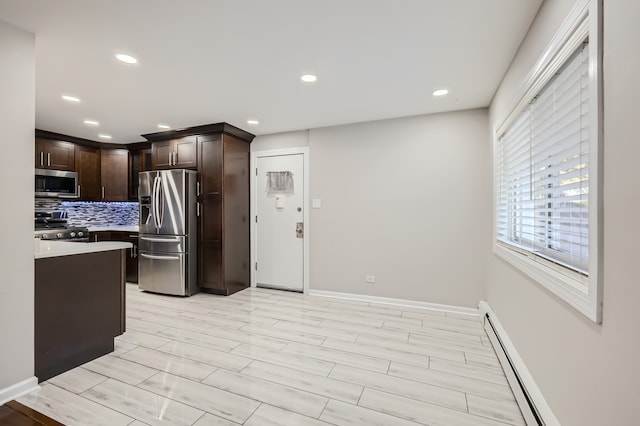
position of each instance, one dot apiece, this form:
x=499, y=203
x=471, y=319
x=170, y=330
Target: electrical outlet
x=370, y=278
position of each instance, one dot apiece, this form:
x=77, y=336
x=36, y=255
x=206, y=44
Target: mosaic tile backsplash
x=92, y=214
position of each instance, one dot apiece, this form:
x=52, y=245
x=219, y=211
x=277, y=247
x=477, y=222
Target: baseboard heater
x=527, y=406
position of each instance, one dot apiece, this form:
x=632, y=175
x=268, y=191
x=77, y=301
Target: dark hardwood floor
x=15, y=414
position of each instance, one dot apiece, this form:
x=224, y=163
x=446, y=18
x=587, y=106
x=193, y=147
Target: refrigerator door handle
x=160, y=202
x=161, y=240
x=153, y=256
x=154, y=202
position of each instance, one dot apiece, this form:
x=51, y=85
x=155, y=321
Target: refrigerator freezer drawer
x=163, y=243
x=163, y=273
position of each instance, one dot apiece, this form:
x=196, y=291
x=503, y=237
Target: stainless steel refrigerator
x=168, y=232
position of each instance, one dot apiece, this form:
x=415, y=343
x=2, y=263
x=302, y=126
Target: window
x=546, y=168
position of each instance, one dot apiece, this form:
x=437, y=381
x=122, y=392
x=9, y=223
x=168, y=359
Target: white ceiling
x=207, y=61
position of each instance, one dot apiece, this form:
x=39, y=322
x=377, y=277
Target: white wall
x=402, y=200
x=17, y=123
x=588, y=373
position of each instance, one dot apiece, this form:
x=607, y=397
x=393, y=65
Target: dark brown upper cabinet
x=54, y=154
x=114, y=174
x=88, y=166
x=139, y=161
x=174, y=154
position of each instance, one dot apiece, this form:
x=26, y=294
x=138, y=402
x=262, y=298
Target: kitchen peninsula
x=79, y=302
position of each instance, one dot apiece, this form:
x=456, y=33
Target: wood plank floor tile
x=377, y=352
x=211, y=420
x=292, y=399
x=71, y=409
x=267, y=415
x=201, y=396
x=147, y=407
x=339, y=356
x=420, y=412
x=286, y=359
x=288, y=335
x=335, y=389
x=77, y=380
x=396, y=385
x=467, y=370
x=205, y=355
x=452, y=381
x=317, y=331
x=343, y=414
x=421, y=349
x=504, y=411
x=173, y=364
x=120, y=369
x=365, y=329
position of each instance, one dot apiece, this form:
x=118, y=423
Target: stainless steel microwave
x=56, y=183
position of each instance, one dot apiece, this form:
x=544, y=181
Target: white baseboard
x=526, y=379
x=17, y=390
x=397, y=302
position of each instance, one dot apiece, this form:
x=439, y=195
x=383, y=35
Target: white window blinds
x=542, y=164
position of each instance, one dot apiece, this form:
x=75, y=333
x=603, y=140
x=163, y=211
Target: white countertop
x=124, y=228
x=43, y=249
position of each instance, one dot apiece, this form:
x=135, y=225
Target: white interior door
x=280, y=225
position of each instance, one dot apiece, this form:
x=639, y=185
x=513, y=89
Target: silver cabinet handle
x=48, y=159
x=170, y=157
x=197, y=189
x=197, y=209
x=103, y=192
x=133, y=236
x=135, y=251
x=151, y=256
x=41, y=158
x=79, y=191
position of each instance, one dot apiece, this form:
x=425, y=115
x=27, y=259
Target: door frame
x=304, y=150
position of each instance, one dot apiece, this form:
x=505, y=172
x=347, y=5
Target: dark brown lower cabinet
x=79, y=309
x=131, y=258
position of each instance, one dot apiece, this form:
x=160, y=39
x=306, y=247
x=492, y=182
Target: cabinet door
x=89, y=177
x=114, y=172
x=210, y=272
x=161, y=155
x=185, y=153
x=57, y=155
x=139, y=161
x=132, y=258
x=210, y=165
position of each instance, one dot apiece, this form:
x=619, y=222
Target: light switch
x=316, y=203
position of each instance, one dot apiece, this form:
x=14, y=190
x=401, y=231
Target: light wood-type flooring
x=265, y=357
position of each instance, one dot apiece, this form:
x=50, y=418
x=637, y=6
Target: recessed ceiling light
x=163, y=126
x=70, y=98
x=308, y=78
x=253, y=122
x=127, y=59
x=104, y=136
x=440, y=92
x=91, y=122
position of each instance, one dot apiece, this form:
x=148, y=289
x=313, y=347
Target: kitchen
x=373, y=219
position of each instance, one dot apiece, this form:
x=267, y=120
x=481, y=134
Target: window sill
x=571, y=290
